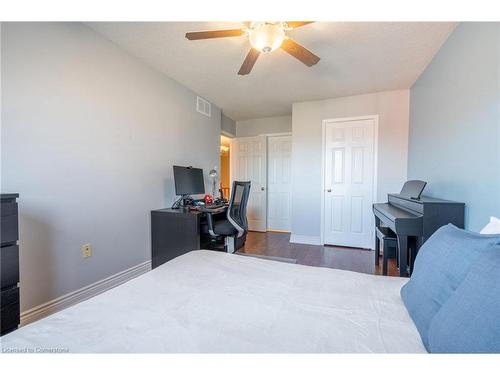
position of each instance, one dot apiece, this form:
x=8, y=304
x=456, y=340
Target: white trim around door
x=374, y=118
x=227, y=134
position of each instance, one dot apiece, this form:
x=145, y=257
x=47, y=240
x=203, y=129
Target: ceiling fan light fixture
x=266, y=37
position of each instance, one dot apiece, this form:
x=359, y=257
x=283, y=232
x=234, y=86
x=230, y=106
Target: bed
x=213, y=302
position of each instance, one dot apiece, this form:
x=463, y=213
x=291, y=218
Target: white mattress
x=207, y=301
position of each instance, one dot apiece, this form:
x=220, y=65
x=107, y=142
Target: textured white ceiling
x=356, y=58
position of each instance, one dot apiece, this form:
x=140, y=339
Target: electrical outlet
x=86, y=250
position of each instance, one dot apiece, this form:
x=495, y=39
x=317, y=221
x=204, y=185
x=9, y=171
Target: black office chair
x=235, y=227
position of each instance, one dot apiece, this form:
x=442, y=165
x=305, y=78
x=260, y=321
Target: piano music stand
x=413, y=189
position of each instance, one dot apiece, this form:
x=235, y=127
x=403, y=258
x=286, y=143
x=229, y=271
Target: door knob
x=328, y=190
x=262, y=188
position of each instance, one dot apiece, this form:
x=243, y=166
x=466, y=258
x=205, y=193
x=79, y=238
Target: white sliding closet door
x=279, y=154
x=249, y=163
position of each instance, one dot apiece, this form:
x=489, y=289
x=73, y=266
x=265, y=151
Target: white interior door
x=279, y=153
x=249, y=163
x=349, y=182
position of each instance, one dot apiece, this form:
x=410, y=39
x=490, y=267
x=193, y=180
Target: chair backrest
x=237, y=210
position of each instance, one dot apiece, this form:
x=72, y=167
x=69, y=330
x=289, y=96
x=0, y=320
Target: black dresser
x=9, y=264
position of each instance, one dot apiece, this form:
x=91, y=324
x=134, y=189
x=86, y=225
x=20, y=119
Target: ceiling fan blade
x=295, y=24
x=299, y=52
x=197, y=35
x=249, y=62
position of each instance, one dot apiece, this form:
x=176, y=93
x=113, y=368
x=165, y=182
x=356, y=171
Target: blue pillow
x=441, y=265
x=469, y=322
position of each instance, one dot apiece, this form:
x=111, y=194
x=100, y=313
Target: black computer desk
x=178, y=231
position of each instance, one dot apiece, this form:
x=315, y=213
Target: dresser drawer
x=8, y=208
x=9, y=317
x=9, y=266
x=9, y=227
x=9, y=296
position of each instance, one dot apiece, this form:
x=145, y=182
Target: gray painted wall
x=393, y=110
x=264, y=125
x=89, y=137
x=454, y=139
x=228, y=125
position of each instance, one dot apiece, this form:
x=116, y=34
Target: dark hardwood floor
x=278, y=245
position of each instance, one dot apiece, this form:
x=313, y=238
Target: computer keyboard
x=213, y=206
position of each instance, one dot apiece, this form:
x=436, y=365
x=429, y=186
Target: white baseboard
x=67, y=300
x=308, y=240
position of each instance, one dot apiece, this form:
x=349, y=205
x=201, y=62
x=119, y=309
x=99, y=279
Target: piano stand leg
x=403, y=255
x=416, y=243
x=377, y=249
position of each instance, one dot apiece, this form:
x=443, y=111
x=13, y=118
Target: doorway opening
x=225, y=150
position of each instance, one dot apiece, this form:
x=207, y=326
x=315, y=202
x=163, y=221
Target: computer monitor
x=188, y=180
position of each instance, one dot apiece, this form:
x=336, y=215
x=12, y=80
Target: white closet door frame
x=231, y=172
x=323, y=165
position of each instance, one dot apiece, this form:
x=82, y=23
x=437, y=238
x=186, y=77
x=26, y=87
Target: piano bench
x=390, y=244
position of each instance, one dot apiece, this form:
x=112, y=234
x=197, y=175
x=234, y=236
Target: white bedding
x=207, y=301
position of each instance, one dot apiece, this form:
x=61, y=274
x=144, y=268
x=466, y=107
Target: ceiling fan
x=264, y=37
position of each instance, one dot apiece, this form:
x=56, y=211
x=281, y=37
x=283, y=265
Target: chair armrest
x=210, y=223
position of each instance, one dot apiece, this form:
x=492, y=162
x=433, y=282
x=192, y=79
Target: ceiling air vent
x=204, y=107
